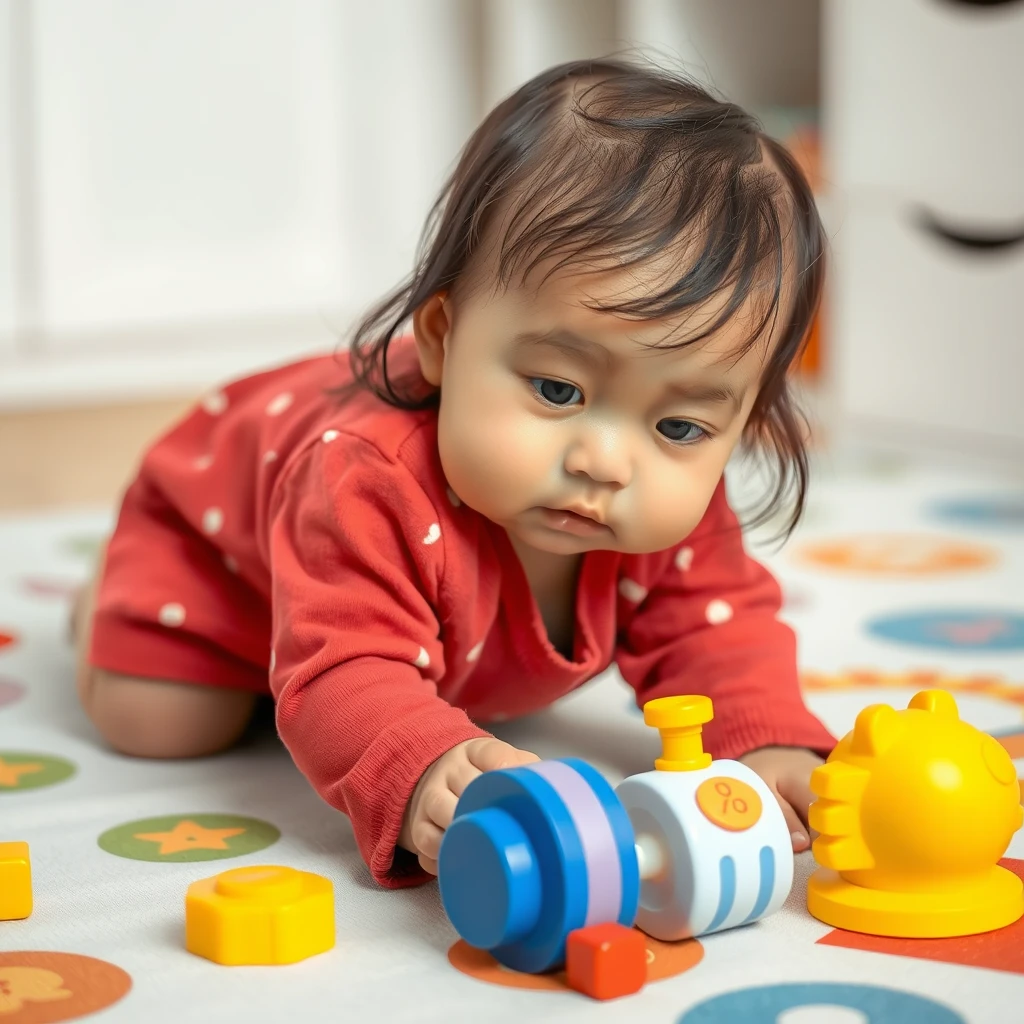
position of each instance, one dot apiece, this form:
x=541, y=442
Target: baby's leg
x=150, y=717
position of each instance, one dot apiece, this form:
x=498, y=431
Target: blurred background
x=195, y=189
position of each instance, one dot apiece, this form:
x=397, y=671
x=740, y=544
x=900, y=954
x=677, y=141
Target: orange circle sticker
x=43, y=988
x=898, y=555
x=664, y=960
x=729, y=803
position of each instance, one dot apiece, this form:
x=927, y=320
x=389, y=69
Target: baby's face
x=564, y=426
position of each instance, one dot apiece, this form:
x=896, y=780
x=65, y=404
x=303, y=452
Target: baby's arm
x=357, y=655
x=709, y=624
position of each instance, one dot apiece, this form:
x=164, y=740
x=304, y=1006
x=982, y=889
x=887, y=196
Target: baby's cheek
x=488, y=460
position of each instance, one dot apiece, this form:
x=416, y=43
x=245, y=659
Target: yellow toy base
x=995, y=903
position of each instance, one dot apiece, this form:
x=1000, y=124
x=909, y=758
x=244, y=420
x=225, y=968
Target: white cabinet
x=924, y=99
x=932, y=329
x=925, y=139
x=212, y=186
x=188, y=159
x=7, y=172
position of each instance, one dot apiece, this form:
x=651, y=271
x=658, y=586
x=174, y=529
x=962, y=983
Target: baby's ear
x=430, y=326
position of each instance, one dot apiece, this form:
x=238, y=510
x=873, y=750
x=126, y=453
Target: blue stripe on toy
x=726, y=892
x=764, y=893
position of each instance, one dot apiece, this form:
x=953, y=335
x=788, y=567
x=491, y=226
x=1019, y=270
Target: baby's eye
x=682, y=431
x=556, y=392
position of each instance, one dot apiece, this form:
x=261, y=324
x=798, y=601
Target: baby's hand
x=432, y=804
x=787, y=771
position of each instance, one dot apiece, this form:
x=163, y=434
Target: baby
x=463, y=522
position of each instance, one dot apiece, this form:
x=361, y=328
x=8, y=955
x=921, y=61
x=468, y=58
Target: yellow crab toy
x=915, y=808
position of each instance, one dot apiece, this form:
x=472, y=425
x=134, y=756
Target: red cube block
x=606, y=961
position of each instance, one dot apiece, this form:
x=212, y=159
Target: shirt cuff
x=382, y=782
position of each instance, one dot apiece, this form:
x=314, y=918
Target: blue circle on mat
x=1005, y=510
x=764, y=1003
x=953, y=629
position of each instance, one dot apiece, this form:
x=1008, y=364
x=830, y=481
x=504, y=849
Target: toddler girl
x=462, y=524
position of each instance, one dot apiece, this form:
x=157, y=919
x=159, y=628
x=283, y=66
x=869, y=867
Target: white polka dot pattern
x=213, y=520
x=330, y=435
x=203, y=462
x=631, y=590
x=684, y=559
x=171, y=614
x=433, y=534
x=215, y=402
x=422, y=659
x=718, y=611
x=474, y=651
x=277, y=405
x=268, y=457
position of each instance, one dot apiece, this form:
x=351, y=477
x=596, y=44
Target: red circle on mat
x=5, y=638
x=44, y=988
x=664, y=960
x=10, y=691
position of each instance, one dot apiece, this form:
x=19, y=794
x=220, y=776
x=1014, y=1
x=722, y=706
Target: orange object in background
x=805, y=146
x=810, y=360
x=606, y=961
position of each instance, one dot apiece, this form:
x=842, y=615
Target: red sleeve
x=709, y=625
x=357, y=654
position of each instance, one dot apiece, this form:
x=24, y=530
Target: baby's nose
x=603, y=454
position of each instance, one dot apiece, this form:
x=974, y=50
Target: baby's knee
x=157, y=718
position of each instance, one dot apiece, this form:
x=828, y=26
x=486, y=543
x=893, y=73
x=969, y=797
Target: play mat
x=903, y=577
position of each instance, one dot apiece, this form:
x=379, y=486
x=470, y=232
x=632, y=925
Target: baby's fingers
x=439, y=806
x=797, y=830
x=426, y=837
x=491, y=754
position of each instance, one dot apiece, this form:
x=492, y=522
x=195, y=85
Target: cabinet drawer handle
x=980, y=3
x=984, y=239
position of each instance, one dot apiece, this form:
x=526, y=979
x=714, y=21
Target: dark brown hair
x=611, y=162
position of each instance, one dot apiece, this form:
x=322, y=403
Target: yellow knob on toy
x=680, y=721
x=914, y=810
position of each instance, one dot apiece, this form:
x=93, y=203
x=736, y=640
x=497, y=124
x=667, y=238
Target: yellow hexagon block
x=15, y=882
x=262, y=914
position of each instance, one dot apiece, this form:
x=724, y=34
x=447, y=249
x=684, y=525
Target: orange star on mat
x=10, y=774
x=187, y=835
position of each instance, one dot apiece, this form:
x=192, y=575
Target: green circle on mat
x=187, y=837
x=83, y=545
x=23, y=770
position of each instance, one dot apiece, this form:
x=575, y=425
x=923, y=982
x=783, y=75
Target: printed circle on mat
x=10, y=692
x=764, y=1004
x=43, y=987
x=664, y=960
x=897, y=555
x=83, y=545
x=42, y=586
x=1001, y=511
x=22, y=770
x=6, y=638
x=978, y=684
x=953, y=629
x=176, y=838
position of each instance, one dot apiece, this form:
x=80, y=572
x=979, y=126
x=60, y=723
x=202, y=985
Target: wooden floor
x=60, y=458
